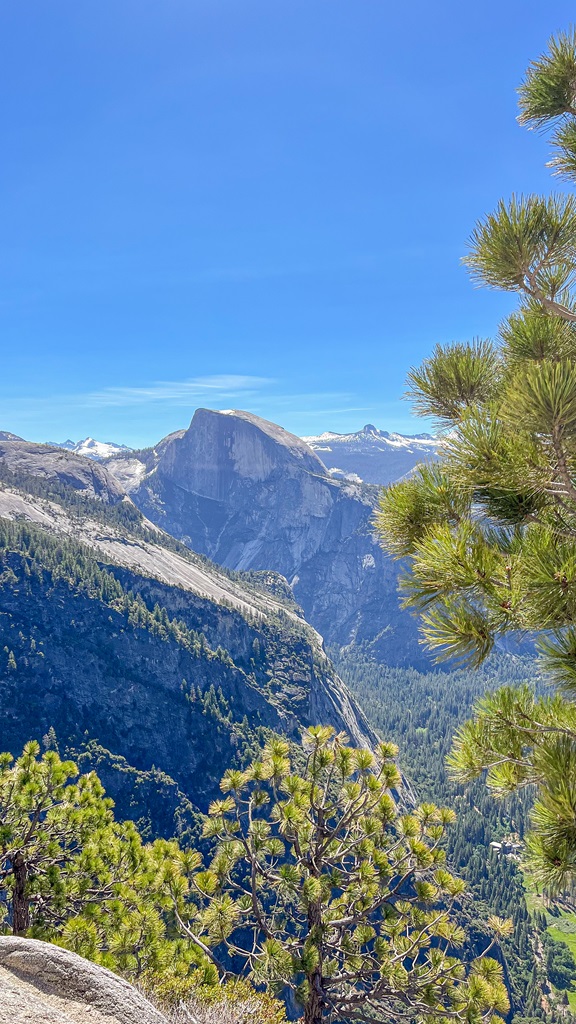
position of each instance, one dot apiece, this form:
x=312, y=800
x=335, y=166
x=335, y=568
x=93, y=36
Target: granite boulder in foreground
x=44, y=984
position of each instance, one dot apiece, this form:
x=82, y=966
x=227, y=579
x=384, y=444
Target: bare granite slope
x=112, y=632
x=74, y=471
x=44, y=984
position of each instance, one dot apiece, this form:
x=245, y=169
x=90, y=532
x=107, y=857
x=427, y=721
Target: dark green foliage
x=130, y=521
x=454, y=378
x=38, y=554
x=349, y=902
x=123, y=513
x=421, y=712
x=93, y=651
x=560, y=964
x=323, y=885
x=525, y=246
x=70, y=872
x=152, y=799
x=60, y=849
x=505, y=564
x=548, y=89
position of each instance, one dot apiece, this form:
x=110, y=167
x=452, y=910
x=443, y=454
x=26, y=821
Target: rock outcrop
x=113, y=634
x=251, y=496
x=43, y=984
x=56, y=464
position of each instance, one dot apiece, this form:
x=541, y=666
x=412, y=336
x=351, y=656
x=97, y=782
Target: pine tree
x=46, y=822
x=322, y=885
x=70, y=872
x=490, y=531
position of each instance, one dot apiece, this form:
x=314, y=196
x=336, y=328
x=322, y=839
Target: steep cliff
x=251, y=496
x=130, y=646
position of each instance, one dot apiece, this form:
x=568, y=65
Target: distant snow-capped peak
x=372, y=436
x=376, y=456
x=91, y=448
x=7, y=435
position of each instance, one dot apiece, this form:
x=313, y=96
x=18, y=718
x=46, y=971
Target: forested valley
x=421, y=713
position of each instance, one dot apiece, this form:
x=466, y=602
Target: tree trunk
x=313, y=1010
x=20, y=901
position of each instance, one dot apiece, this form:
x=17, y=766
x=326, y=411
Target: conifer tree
x=47, y=825
x=69, y=872
x=490, y=531
x=320, y=884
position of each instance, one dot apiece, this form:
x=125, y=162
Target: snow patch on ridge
x=376, y=456
x=91, y=448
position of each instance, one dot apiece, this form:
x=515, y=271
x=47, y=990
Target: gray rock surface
x=221, y=449
x=44, y=984
x=88, y=668
x=251, y=496
x=85, y=475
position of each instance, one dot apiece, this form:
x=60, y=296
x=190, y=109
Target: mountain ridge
x=375, y=456
x=142, y=614
x=55, y=464
x=91, y=448
x=252, y=496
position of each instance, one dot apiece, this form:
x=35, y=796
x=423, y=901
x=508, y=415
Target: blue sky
x=254, y=204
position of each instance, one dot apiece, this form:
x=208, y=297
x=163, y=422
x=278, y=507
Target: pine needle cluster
x=319, y=884
x=490, y=531
x=70, y=872
x=323, y=886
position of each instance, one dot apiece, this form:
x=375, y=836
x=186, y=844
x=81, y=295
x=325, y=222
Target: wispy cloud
x=183, y=392
x=215, y=390
x=140, y=414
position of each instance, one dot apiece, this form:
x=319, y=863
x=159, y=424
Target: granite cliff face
x=251, y=496
x=132, y=647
